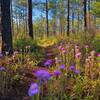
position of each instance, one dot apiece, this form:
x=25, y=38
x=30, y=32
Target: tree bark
x=30, y=24
x=73, y=15
x=47, y=26
x=68, y=20
x=6, y=27
x=85, y=15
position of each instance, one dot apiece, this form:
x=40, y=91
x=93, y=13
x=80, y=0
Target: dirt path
x=50, y=54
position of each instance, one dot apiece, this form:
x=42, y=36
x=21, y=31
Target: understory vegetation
x=70, y=69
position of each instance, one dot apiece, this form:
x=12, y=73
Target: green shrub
x=96, y=44
x=27, y=45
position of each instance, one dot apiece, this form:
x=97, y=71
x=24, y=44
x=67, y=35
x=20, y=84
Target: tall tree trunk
x=78, y=22
x=30, y=25
x=61, y=24
x=73, y=15
x=12, y=24
x=89, y=4
x=6, y=27
x=85, y=15
x=54, y=27
x=17, y=24
x=54, y=17
x=47, y=24
x=68, y=20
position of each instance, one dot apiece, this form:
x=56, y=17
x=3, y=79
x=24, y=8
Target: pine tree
x=6, y=27
x=30, y=25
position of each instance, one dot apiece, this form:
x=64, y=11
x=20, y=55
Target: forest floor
x=19, y=90
x=28, y=77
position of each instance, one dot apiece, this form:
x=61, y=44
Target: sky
x=38, y=14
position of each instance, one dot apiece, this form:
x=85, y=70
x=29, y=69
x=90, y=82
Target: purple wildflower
x=2, y=68
x=49, y=54
x=86, y=46
x=57, y=72
x=62, y=66
x=64, y=51
x=76, y=46
x=57, y=60
x=48, y=63
x=60, y=47
x=34, y=89
x=77, y=71
x=78, y=55
x=1, y=55
x=98, y=55
x=72, y=68
x=43, y=75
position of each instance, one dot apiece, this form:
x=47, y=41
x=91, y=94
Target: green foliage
x=29, y=46
x=89, y=98
x=96, y=44
x=96, y=9
x=23, y=42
